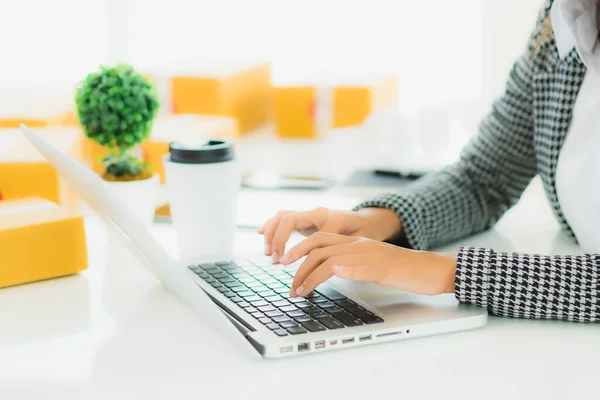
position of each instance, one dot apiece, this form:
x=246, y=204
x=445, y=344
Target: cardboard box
x=15, y=122
x=163, y=212
x=237, y=90
x=25, y=173
x=184, y=128
x=294, y=112
x=64, y=119
x=39, y=240
x=356, y=98
x=308, y=108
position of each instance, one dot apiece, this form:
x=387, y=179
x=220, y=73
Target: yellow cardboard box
x=64, y=119
x=182, y=128
x=14, y=122
x=309, y=107
x=25, y=173
x=239, y=90
x=355, y=99
x=39, y=240
x=294, y=111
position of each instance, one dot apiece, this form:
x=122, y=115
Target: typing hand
x=368, y=260
x=373, y=223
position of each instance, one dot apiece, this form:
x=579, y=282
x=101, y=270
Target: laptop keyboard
x=262, y=290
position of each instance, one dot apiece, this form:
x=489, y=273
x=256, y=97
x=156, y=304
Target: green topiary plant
x=116, y=107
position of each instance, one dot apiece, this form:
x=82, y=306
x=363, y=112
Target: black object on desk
x=368, y=178
x=409, y=175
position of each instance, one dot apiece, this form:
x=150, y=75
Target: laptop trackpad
x=403, y=307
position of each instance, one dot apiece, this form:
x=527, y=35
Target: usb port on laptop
x=286, y=349
x=303, y=347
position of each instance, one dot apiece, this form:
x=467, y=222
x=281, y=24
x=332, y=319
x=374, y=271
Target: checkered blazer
x=520, y=137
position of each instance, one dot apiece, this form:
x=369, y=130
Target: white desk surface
x=113, y=332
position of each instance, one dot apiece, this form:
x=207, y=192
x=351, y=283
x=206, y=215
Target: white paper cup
x=203, y=182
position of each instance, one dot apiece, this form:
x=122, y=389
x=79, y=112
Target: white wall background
x=444, y=51
x=507, y=25
x=433, y=45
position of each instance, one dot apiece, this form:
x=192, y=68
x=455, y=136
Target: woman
x=548, y=123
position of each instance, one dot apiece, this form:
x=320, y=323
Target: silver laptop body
x=250, y=294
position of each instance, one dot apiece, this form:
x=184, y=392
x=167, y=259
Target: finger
x=316, y=258
x=270, y=229
x=293, y=222
x=261, y=230
x=314, y=241
x=287, y=225
x=326, y=270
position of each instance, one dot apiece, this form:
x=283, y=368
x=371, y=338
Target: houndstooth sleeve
x=530, y=286
x=493, y=171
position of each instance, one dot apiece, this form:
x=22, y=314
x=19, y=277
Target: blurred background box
x=309, y=107
x=25, y=173
x=240, y=90
x=294, y=111
x=15, y=122
x=355, y=98
x=39, y=240
x=63, y=119
x=67, y=118
x=184, y=128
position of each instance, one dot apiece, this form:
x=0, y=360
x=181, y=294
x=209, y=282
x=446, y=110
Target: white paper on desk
x=256, y=207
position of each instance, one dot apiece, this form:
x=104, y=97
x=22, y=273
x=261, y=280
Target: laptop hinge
x=242, y=325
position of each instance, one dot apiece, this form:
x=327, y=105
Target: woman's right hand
x=373, y=223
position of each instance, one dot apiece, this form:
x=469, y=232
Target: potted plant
x=116, y=107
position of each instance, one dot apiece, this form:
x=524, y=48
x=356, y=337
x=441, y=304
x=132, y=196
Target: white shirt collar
x=575, y=26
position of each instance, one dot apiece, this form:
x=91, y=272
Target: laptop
x=247, y=296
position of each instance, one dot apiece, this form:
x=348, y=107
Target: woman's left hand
x=368, y=260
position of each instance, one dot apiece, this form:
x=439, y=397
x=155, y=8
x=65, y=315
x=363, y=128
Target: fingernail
x=275, y=257
x=292, y=293
x=300, y=290
x=285, y=258
x=267, y=248
x=338, y=271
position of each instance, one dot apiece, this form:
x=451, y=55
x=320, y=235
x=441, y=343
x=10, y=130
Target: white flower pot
x=139, y=196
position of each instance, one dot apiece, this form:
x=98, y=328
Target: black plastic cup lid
x=202, y=152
